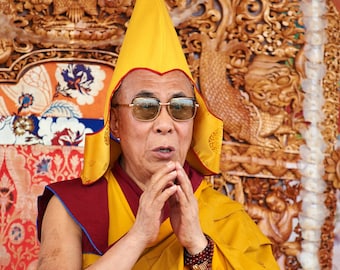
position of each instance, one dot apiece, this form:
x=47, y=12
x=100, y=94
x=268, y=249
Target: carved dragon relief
x=251, y=92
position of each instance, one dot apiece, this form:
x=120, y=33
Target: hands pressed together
x=170, y=187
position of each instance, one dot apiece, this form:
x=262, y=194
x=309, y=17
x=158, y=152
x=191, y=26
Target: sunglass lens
x=145, y=108
x=182, y=108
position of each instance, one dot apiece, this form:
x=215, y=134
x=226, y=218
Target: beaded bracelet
x=204, y=258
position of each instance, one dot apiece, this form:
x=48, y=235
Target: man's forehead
x=145, y=78
x=143, y=72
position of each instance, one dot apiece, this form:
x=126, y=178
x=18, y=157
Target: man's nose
x=164, y=122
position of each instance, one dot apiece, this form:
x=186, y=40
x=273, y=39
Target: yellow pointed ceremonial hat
x=151, y=42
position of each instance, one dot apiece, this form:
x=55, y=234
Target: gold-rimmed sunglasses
x=148, y=108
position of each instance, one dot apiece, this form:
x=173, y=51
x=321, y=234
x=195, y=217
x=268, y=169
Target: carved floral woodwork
x=248, y=60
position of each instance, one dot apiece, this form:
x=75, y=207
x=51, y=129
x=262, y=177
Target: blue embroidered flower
x=43, y=166
x=25, y=101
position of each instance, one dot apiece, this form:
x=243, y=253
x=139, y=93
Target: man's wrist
x=201, y=260
x=199, y=246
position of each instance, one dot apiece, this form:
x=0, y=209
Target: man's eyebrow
x=179, y=94
x=145, y=93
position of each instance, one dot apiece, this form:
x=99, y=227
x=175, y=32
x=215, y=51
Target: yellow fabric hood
x=151, y=42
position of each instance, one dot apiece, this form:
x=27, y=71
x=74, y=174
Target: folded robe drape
x=105, y=215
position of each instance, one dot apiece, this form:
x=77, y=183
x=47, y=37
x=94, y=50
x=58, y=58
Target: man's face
x=149, y=145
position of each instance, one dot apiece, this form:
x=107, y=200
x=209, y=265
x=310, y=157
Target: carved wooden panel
x=249, y=60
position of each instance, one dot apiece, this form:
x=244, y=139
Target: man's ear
x=114, y=123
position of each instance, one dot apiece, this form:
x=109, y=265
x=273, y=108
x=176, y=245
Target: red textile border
x=24, y=172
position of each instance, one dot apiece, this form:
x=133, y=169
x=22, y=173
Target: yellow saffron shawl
x=239, y=244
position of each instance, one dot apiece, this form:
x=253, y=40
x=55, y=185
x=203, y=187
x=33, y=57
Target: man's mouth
x=165, y=150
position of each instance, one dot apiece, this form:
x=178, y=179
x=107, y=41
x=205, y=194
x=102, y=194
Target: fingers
x=184, y=182
x=169, y=184
x=156, y=193
x=161, y=188
x=162, y=180
x=184, y=213
x=184, y=196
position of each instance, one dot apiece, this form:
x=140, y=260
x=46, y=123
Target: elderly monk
x=141, y=201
